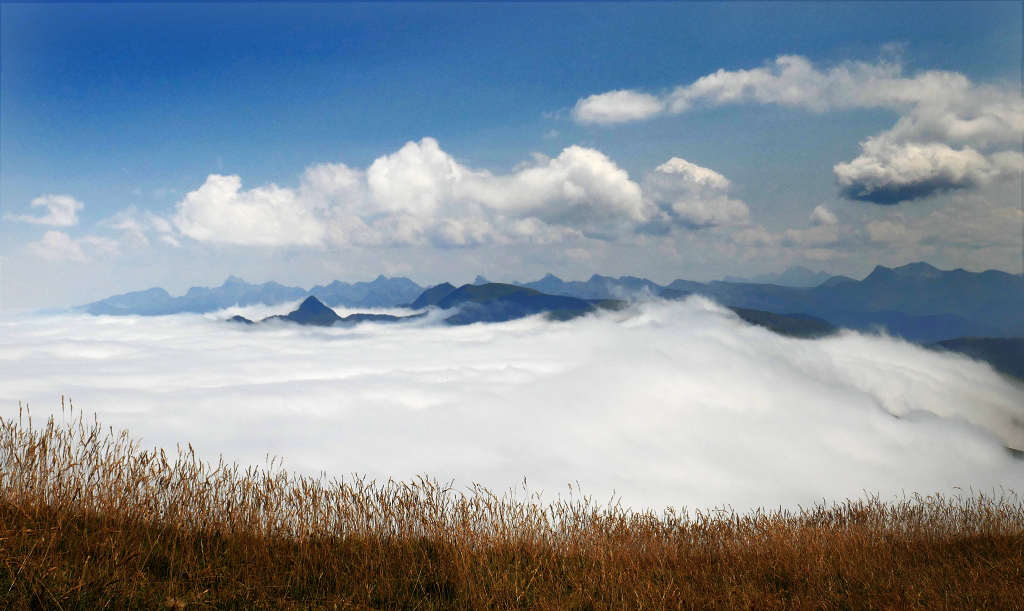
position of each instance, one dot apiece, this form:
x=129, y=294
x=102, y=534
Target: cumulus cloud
x=670, y=404
x=939, y=105
x=888, y=173
x=694, y=196
x=949, y=134
x=617, y=107
x=422, y=195
x=61, y=211
x=59, y=246
x=219, y=211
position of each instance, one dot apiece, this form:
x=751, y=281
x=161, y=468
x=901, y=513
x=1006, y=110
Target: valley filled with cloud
x=662, y=404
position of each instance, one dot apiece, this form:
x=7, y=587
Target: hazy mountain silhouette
x=597, y=287
x=1004, y=354
x=383, y=292
x=792, y=325
x=797, y=275
x=917, y=301
x=130, y=303
x=432, y=295
x=310, y=312
x=234, y=292
x=836, y=280
x=313, y=312
x=495, y=302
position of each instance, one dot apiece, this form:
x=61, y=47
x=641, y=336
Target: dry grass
x=91, y=521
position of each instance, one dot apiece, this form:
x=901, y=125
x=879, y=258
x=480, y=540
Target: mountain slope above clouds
x=917, y=301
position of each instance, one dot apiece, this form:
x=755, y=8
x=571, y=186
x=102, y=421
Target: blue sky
x=114, y=117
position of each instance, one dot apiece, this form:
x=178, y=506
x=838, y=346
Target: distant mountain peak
x=910, y=270
x=917, y=269
x=432, y=295
x=234, y=280
x=481, y=280
x=313, y=312
x=312, y=304
x=793, y=276
x=550, y=276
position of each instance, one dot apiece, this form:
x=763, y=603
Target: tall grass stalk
x=91, y=520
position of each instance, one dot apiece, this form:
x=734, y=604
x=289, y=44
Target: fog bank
x=665, y=404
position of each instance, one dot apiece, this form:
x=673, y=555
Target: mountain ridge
x=916, y=301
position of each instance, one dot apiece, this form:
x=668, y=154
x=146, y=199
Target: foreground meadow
x=89, y=520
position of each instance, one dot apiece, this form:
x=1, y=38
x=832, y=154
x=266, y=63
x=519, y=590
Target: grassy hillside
x=88, y=520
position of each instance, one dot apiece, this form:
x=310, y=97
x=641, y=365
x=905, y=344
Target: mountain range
x=797, y=275
x=381, y=293
x=917, y=301
x=493, y=302
x=313, y=312
x=487, y=302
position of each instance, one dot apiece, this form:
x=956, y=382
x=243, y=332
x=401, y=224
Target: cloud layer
x=952, y=133
x=422, y=195
x=669, y=404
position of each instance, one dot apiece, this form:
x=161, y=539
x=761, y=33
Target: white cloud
x=422, y=195
x=219, y=211
x=825, y=231
x=888, y=173
x=671, y=404
x=694, y=196
x=823, y=216
x=617, y=107
x=817, y=242
x=948, y=135
x=136, y=227
x=62, y=211
x=59, y=246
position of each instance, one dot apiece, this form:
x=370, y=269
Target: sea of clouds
x=664, y=404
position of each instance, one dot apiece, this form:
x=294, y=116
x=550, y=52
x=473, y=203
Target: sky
x=174, y=144
x=666, y=404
